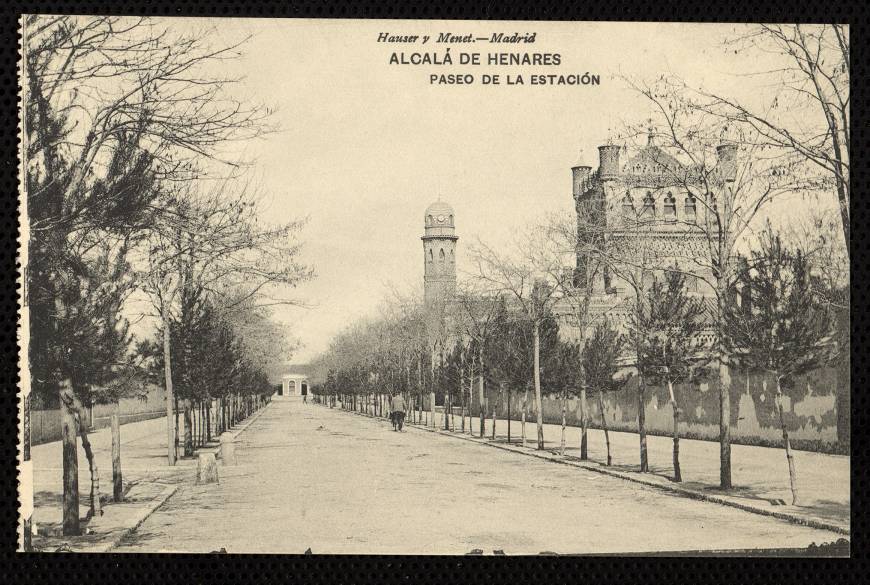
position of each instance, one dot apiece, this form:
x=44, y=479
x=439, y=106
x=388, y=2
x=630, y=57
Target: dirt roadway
x=310, y=477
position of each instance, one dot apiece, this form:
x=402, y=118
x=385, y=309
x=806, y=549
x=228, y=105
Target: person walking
x=397, y=411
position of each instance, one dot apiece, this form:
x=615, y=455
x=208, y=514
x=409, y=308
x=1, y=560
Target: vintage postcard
x=434, y=287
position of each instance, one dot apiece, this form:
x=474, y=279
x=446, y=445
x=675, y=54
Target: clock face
x=441, y=219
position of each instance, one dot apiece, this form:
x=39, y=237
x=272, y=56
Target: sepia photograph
x=433, y=287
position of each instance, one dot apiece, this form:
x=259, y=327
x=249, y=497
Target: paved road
x=339, y=483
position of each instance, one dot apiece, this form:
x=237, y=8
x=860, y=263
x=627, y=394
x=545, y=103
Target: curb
x=162, y=499
x=249, y=422
x=168, y=493
x=672, y=489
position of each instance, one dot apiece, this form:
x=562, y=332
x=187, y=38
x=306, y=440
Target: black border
x=152, y=568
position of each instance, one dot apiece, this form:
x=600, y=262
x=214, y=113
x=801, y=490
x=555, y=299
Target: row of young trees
x=737, y=162
x=776, y=322
x=134, y=198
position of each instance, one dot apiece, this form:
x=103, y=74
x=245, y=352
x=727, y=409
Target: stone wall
x=45, y=423
x=811, y=410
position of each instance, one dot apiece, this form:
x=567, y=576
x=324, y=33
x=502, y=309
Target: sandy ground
x=310, y=477
x=143, y=460
x=759, y=473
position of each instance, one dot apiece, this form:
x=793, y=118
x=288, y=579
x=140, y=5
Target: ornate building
x=643, y=215
x=439, y=255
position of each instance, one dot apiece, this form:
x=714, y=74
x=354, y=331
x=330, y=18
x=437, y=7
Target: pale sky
x=366, y=146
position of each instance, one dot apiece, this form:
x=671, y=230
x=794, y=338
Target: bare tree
x=728, y=180
x=806, y=116
x=113, y=106
x=585, y=235
x=213, y=247
x=531, y=275
x=477, y=314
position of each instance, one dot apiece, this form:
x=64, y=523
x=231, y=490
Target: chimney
x=608, y=161
x=727, y=154
x=581, y=176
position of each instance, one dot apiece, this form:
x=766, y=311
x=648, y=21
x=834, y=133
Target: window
x=441, y=256
x=452, y=257
x=628, y=205
x=670, y=208
x=430, y=256
x=690, y=208
x=451, y=219
x=649, y=206
x=429, y=220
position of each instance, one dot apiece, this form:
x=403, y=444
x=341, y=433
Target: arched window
x=430, y=220
x=670, y=207
x=451, y=219
x=627, y=205
x=690, y=208
x=430, y=256
x=649, y=206
x=452, y=257
x=441, y=256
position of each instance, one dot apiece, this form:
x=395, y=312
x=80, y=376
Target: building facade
x=439, y=254
x=292, y=385
x=639, y=217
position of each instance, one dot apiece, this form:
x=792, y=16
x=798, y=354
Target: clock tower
x=439, y=254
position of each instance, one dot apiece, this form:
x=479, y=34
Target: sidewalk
x=759, y=474
x=148, y=483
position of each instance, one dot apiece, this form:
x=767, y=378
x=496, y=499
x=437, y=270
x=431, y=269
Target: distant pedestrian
x=397, y=411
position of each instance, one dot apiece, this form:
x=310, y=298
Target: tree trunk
x=170, y=395
x=462, y=397
x=177, y=411
x=641, y=424
x=604, y=426
x=69, y=434
x=525, y=411
x=539, y=406
x=584, y=426
x=452, y=418
x=792, y=472
x=564, y=420
x=482, y=407
x=117, y=479
x=188, y=429
x=470, y=395
x=26, y=504
x=509, y=415
x=194, y=413
x=494, y=409
x=447, y=406
x=678, y=476
x=205, y=420
x=724, y=423
x=79, y=412
x=96, y=508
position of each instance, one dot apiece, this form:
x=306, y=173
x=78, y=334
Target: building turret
x=439, y=251
x=608, y=161
x=581, y=176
